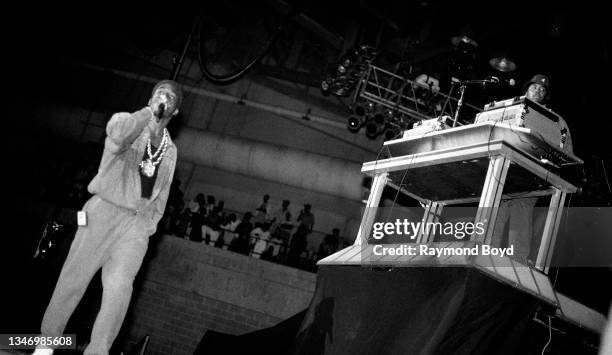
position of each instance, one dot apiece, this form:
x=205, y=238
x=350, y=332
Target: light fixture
x=360, y=111
x=502, y=64
x=343, y=79
x=354, y=123
x=464, y=37
x=462, y=59
x=376, y=125
x=463, y=40
x=392, y=131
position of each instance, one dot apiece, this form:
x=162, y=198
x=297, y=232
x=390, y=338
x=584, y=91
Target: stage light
x=361, y=108
x=372, y=130
x=376, y=125
x=360, y=113
x=502, y=64
x=354, y=124
x=392, y=131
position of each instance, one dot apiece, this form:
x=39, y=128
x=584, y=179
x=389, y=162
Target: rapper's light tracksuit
x=119, y=223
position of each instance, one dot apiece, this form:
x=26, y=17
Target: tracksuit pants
x=115, y=240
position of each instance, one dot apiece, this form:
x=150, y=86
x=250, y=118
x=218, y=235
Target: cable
x=603, y=166
x=230, y=78
x=549, y=336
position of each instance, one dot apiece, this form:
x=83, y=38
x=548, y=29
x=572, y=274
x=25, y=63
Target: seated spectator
x=195, y=205
x=240, y=244
x=329, y=245
x=182, y=225
x=210, y=204
x=282, y=220
x=230, y=223
x=277, y=242
x=306, y=218
x=175, y=196
x=174, y=206
x=220, y=209
x=259, y=239
x=212, y=226
x=197, y=222
x=297, y=246
x=262, y=212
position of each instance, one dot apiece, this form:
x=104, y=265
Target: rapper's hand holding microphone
x=158, y=112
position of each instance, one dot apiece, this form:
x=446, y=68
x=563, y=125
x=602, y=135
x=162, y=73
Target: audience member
x=276, y=243
x=220, y=210
x=297, y=245
x=196, y=203
x=230, y=223
x=262, y=211
x=210, y=204
x=259, y=239
x=281, y=220
x=197, y=218
x=227, y=230
x=306, y=218
x=175, y=196
x=213, y=226
x=182, y=226
x=173, y=208
x=240, y=244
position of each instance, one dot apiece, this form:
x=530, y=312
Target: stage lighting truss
x=408, y=100
x=343, y=79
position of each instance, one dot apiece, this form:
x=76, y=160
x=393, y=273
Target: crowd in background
x=272, y=234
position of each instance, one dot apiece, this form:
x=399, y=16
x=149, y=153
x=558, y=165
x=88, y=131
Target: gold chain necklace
x=150, y=163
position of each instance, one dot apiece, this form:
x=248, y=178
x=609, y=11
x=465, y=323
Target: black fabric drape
x=359, y=310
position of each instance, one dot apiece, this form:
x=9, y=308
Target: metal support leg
x=551, y=227
x=490, y=197
x=378, y=185
x=432, y=214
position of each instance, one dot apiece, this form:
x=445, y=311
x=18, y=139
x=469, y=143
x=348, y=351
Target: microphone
x=162, y=106
x=160, y=111
x=487, y=80
x=496, y=80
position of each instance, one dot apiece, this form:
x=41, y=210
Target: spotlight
x=372, y=130
x=363, y=108
x=377, y=124
x=358, y=117
x=354, y=124
x=360, y=109
x=379, y=117
x=392, y=131
x=503, y=64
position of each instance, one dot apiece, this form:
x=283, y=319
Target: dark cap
x=539, y=79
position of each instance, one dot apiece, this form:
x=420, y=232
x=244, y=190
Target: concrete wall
x=187, y=288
